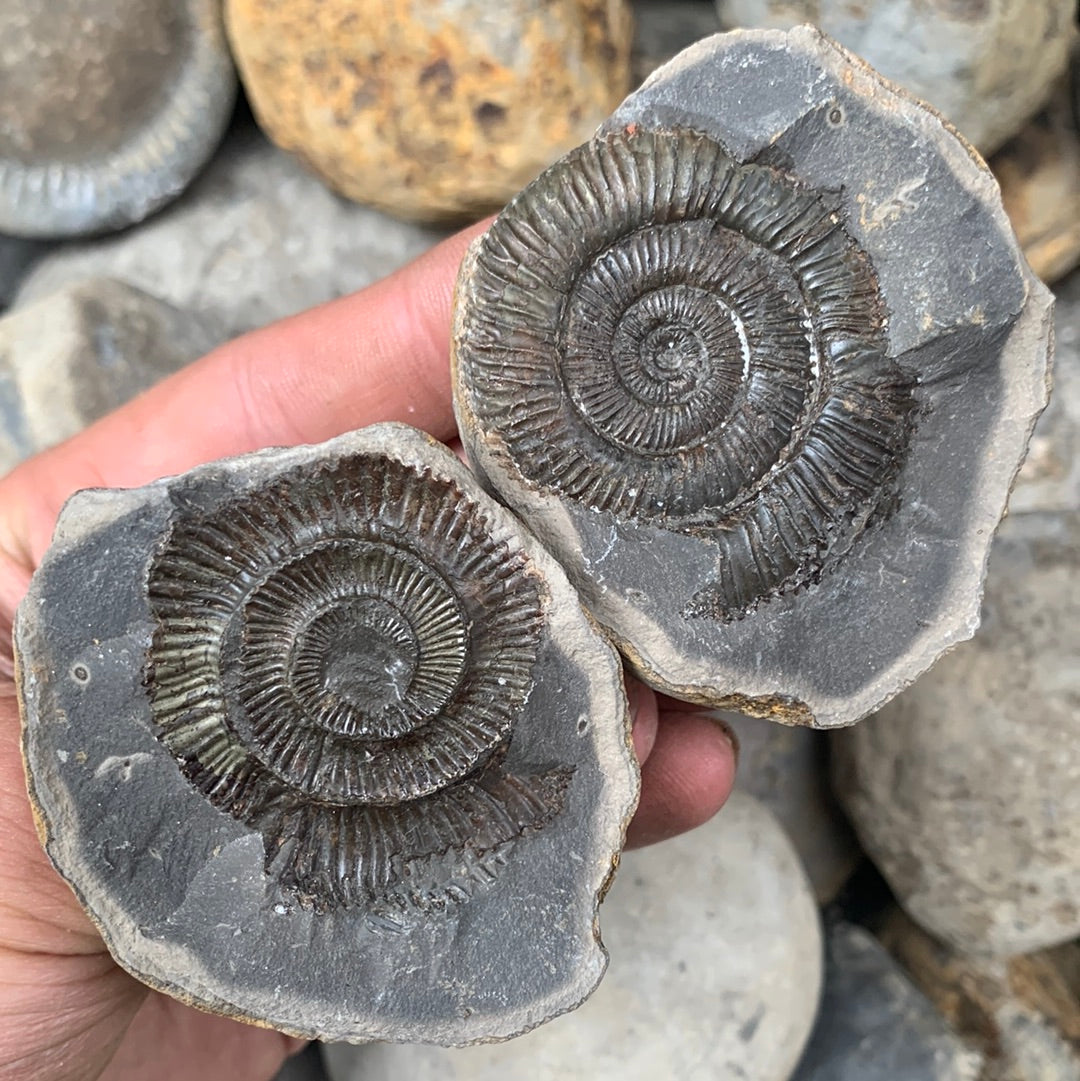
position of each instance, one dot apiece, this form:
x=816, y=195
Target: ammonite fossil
x=337, y=749
x=759, y=365
x=108, y=109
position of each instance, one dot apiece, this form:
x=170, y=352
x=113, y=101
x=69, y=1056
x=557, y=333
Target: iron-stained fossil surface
x=108, y=108
x=322, y=738
x=758, y=363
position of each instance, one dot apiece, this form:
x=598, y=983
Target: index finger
x=380, y=354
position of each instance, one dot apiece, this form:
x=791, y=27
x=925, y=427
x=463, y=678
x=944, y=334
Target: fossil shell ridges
x=705, y=347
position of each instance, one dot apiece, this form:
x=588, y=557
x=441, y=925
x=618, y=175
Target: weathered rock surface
x=874, y=1025
x=109, y=109
x=323, y=739
x=786, y=768
x=431, y=111
x=715, y=973
x=731, y=362
x=1024, y=1012
x=965, y=790
x=1039, y=174
x=71, y=358
x=255, y=239
x=1050, y=477
x=986, y=67
x=663, y=28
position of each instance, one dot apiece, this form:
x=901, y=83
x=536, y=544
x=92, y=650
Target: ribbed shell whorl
x=345, y=651
x=663, y=334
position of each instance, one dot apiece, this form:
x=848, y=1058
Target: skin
x=66, y=1010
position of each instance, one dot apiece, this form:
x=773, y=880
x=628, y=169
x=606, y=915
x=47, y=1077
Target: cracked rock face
x=716, y=976
x=965, y=790
x=759, y=368
x=337, y=750
x=108, y=109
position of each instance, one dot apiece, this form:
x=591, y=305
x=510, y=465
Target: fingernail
x=728, y=733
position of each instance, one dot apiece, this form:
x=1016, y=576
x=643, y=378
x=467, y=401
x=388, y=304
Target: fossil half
x=322, y=738
x=109, y=108
x=758, y=363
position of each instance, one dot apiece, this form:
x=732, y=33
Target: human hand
x=66, y=1010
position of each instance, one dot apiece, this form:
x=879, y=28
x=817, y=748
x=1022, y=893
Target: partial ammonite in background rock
x=109, y=108
x=715, y=973
x=69, y=359
x=431, y=111
x=986, y=66
x=965, y=790
x=256, y=238
x=760, y=370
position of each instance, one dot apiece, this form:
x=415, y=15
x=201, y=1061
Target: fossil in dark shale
x=758, y=363
x=333, y=699
x=108, y=109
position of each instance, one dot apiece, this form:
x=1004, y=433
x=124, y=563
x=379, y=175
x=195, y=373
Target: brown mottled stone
x=1039, y=174
x=1022, y=1013
x=431, y=111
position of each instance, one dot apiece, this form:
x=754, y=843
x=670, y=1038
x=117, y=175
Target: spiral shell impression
x=691, y=355
x=357, y=665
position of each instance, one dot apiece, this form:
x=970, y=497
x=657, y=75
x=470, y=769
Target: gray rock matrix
x=344, y=869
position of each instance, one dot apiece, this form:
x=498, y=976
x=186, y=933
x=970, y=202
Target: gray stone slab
x=715, y=972
x=322, y=739
x=255, y=239
x=109, y=109
x=874, y=1025
x=759, y=364
x=69, y=359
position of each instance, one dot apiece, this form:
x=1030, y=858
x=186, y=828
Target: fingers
x=380, y=354
x=685, y=779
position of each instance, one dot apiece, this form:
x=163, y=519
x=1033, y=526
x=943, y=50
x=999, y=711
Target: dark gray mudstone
x=108, y=109
x=663, y=28
x=254, y=239
x=17, y=255
x=409, y=875
x=874, y=1025
x=816, y=280
x=965, y=790
x=71, y=358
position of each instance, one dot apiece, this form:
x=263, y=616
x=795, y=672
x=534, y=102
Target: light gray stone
x=786, y=768
x=1050, y=477
x=71, y=358
x=255, y=239
x=715, y=973
x=874, y=1025
x=965, y=790
x=987, y=67
x=109, y=109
